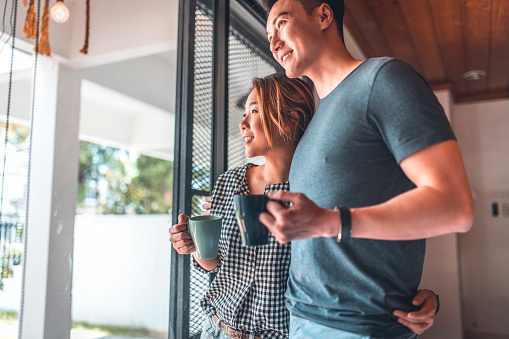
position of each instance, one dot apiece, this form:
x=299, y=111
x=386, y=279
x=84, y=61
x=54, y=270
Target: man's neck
x=331, y=69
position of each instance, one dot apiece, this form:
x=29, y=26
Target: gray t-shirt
x=349, y=155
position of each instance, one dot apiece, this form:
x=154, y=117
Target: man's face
x=292, y=34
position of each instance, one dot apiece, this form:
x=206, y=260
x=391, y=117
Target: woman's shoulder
x=237, y=172
x=232, y=179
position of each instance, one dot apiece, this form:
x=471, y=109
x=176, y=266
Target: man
x=380, y=150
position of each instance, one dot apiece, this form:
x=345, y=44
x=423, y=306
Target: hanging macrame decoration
x=43, y=46
x=60, y=14
x=84, y=50
x=30, y=28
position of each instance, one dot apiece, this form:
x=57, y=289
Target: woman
x=247, y=294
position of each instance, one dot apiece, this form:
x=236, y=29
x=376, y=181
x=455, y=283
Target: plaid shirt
x=248, y=290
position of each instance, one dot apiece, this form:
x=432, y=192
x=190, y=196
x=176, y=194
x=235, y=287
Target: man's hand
x=423, y=319
x=181, y=240
x=302, y=220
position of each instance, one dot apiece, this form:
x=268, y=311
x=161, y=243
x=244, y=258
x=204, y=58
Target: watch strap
x=345, y=229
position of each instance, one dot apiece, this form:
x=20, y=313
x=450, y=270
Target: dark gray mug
x=247, y=211
x=205, y=231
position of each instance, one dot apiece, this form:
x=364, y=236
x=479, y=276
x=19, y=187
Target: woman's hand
x=181, y=240
x=206, y=206
x=423, y=319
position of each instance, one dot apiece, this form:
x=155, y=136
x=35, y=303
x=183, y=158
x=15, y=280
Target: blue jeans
x=304, y=329
x=212, y=330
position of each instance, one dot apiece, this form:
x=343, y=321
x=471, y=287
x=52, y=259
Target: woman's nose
x=243, y=124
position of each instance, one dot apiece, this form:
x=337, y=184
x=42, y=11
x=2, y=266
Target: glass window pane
x=14, y=157
x=121, y=266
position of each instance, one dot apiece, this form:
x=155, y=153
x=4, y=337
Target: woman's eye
x=244, y=115
x=254, y=111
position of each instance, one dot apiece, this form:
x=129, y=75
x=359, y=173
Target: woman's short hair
x=287, y=106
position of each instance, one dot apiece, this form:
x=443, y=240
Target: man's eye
x=280, y=23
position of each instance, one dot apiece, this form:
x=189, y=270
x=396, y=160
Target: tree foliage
x=116, y=181
x=17, y=135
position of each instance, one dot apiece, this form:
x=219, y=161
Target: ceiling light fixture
x=475, y=74
x=59, y=12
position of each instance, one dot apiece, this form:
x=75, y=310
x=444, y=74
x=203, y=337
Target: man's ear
x=326, y=15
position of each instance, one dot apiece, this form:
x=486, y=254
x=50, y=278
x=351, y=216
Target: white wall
x=475, y=263
x=121, y=270
x=441, y=271
x=482, y=130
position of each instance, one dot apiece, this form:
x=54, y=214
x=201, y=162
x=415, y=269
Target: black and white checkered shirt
x=248, y=290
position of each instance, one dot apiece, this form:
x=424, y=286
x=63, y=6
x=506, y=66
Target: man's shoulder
x=387, y=64
x=387, y=67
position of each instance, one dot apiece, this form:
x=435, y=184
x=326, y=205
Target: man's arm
x=440, y=204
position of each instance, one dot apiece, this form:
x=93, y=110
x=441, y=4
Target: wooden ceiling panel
x=357, y=35
x=477, y=15
x=499, y=48
x=419, y=21
x=442, y=39
x=358, y=12
x=391, y=23
x=448, y=24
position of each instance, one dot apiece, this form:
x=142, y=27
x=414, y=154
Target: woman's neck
x=275, y=170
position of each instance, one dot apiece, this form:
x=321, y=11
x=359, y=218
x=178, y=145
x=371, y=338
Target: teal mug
x=205, y=231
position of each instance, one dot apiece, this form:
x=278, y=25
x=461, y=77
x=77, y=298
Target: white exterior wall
x=121, y=270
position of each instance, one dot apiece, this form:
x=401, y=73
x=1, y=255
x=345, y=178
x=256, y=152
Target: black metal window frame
x=182, y=189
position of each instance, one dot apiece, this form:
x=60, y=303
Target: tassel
x=30, y=28
x=43, y=46
x=25, y=3
x=84, y=50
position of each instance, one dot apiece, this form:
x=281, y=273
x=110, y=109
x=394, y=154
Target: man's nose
x=275, y=45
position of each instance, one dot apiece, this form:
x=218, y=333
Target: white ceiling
x=129, y=73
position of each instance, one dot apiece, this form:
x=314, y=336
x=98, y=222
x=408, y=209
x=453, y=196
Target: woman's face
x=255, y=141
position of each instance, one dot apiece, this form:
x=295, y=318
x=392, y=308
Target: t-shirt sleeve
x=405, y=111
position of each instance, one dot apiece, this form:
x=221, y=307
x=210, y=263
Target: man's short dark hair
x=337, y=6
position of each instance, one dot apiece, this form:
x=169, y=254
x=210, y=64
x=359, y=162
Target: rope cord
x=13, y=32
x=84, y=49
x=20, y=329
